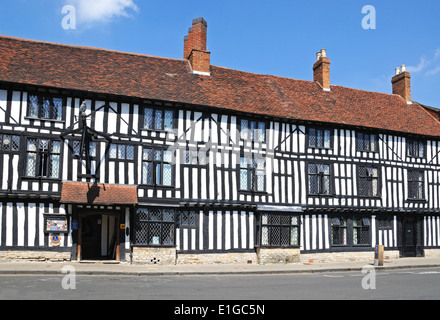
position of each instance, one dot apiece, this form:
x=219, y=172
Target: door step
x=100, y=262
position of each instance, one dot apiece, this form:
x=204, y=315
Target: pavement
x=126, y=269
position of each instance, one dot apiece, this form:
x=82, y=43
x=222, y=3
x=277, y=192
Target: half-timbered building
x=129, y=157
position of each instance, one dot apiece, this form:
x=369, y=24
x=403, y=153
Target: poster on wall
x=56, y=224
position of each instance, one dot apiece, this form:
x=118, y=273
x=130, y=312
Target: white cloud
x=430, y=66
x=95, y=11
x=418, y=68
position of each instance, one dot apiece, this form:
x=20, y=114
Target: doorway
x=409, y=238
x=98, y=237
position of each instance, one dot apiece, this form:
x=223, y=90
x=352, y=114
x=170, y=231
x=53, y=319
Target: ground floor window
x=155, y=227
x=278, y=230
x=350, y=231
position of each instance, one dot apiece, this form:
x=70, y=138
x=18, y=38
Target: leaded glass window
x=367, y=142
x=157, y=167
x=279, y=230
x=155, y=227
x=253, y=130
x=368, y=181
x=45, y=107
x=319, y=138
x=416, y=185
x=158, y=119
x=415, y=148
x=252, y=174
x=319, y=179
x=121, y=152
x=43, y=158
x=9, y=143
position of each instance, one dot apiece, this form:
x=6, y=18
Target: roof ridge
x=51, y=43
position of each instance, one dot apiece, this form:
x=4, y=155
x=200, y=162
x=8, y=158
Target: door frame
x=98, y=213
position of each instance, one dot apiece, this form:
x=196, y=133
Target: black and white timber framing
x=225, y=217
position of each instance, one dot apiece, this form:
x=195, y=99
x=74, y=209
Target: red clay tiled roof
x=141, y=76
x=103, y=194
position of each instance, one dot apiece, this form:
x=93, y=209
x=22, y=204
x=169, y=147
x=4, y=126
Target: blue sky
x=278, y=37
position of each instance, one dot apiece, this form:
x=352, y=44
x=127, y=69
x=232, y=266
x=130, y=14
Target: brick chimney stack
x=402, y=83
x=195, y=47
x=321, y=70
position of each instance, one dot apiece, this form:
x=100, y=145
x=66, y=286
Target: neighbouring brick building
x=129, y=157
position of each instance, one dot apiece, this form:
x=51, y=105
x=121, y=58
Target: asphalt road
x=389, y=285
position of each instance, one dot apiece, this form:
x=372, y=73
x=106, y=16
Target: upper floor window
x=367, y=142
x=43, y=158
x=319, y=179
x=415, y=148
x=253, y=130
x=252, y=174
x=319, y=138
x=157, y=168
x=158, y=119
x=416, y=185
x=121, y=152
x=9, y=143
x=368, y=181
x=77, y=149
x=45, y=107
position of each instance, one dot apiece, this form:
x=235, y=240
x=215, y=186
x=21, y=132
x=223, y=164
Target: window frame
x=40, y=112
x=316, y=130
x=409, y=148
x=411, y=183
x=252, y=176
x=349, y=228
x=155, y=163
x=320, y=177
x=272, y=225
x=119, y=147
x=146, y=225
x=14, y=143
x=43, y=159
x=367, y=177
x=154, y=122
x=360, y=136
x=253, y=134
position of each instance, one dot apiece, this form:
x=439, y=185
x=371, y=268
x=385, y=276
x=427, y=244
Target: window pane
x=32, y=145
x=260, y=181
x=113, y=153
x=261, y=131
x=244, y=129
x=243, y=179
x=158, y=120
x=130, y=153
x=327, y=137
x=45, y=112
x=92, y=149
x=312, y=137
x=148, y=118
x=33, y=106
x=121, y=151
x=57, y=109
x=31, y=162
x=54, y=166
x=147, y=154
x=56, y=147
x=168, y=121
x=15, y=143
x=147, y=174
x=6, y=143
x=167, y=175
